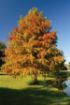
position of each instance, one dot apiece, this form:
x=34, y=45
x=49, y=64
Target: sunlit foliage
x=32, y=47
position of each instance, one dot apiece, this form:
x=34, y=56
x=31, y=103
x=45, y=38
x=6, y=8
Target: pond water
x=67, y=89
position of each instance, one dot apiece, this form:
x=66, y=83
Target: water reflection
x=67, y=89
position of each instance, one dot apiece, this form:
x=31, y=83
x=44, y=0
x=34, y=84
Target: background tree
x=68, y=68
x=2, y=48
x=68, y=65
x=32, y=47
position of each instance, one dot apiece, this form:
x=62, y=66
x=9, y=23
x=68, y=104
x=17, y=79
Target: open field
x=19, y=92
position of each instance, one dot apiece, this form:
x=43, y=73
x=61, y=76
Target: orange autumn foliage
x=30, y=46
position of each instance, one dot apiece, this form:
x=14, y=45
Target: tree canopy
x=2, y=48
x=32, y=47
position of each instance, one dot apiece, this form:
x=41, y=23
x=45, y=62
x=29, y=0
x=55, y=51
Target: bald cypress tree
x=32, y=47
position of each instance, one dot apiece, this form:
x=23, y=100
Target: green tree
x=2, y=48
x=68, y=66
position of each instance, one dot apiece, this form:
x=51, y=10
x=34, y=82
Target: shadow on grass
x=32, y=96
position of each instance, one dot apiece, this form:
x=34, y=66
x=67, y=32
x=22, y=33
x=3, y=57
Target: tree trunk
x=35, y=79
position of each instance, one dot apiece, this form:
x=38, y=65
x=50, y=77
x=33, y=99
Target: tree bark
x=35, y=79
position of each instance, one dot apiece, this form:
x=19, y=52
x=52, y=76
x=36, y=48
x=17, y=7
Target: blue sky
x=57, y=11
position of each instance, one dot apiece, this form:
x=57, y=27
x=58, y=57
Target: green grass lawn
x=19, y=92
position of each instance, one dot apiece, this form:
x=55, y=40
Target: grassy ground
x=19, y=92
